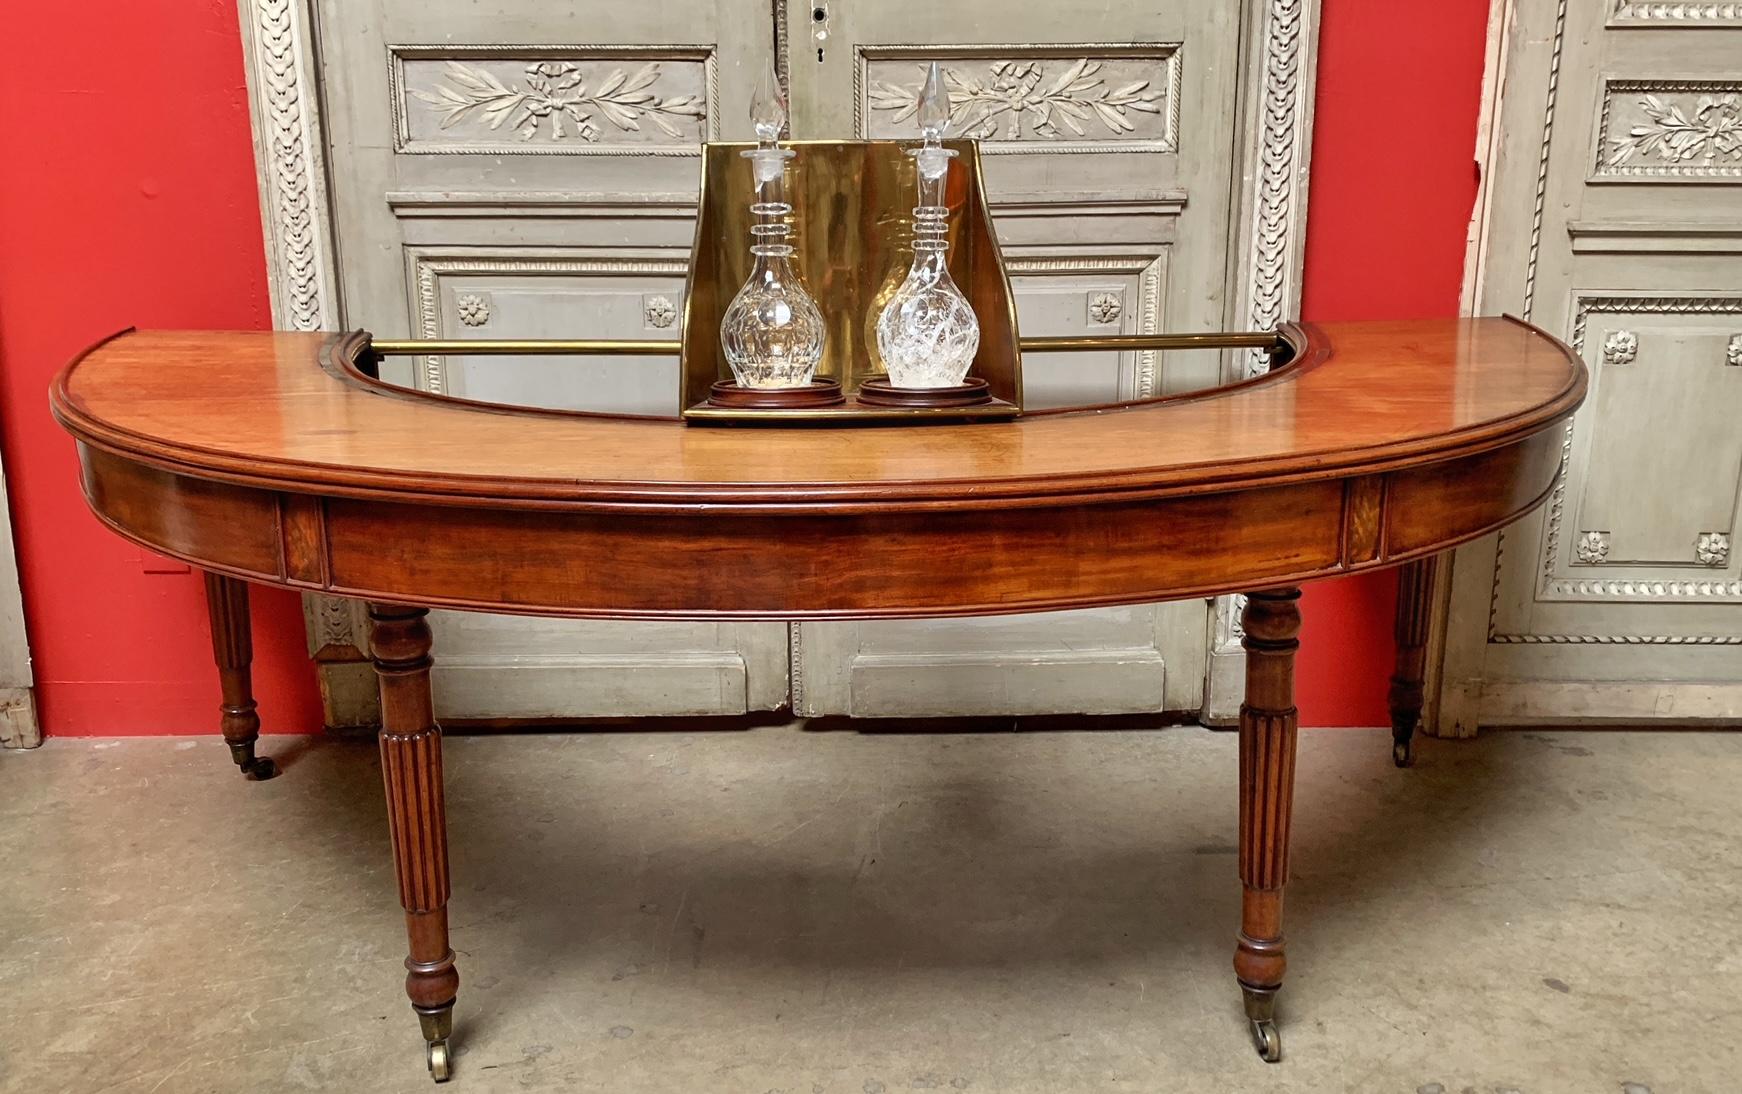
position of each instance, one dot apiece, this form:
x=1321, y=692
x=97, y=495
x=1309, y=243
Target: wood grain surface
x=241, y=453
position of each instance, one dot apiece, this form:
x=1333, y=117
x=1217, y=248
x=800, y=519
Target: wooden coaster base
x=728, y=393
x=879, y=392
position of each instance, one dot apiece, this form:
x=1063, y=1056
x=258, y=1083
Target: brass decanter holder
x=851, y=231
x=852, y=234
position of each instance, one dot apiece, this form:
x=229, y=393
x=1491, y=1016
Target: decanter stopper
x=767, y=108
x=934, y=106
x=927, y=334
x=772, y=332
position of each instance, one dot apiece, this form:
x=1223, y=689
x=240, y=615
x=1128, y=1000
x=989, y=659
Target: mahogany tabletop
x=258, y=407
x=250, y=453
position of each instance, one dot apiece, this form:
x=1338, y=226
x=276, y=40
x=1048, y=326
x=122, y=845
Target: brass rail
x=397, y=347
x=1081, y=343
x=1073, y=343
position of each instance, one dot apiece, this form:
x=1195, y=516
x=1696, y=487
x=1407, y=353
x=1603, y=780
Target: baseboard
x=1587, y=702
x=18, y=726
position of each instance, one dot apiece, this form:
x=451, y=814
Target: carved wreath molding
x=1277, y=207
x=561, y=100
x=1277, y=235
x=1021, y=99
x=1685, y=129
x=555, y=91
x=287, y=144
x=1030, y=98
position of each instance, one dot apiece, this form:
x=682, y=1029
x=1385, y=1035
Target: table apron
x=895, y=563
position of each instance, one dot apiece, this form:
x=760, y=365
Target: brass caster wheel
x=440, y=1065
x=1266, y=1040
x=1403, y=753
x=259, y=770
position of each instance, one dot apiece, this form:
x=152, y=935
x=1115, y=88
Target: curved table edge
x=904, y=495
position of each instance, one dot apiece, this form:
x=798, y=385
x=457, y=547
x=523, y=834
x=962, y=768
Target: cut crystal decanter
x=772, y=332
x=927, y=333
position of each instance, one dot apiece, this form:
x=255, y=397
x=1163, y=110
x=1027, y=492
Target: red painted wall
x=127, y=196
x=1393, y=182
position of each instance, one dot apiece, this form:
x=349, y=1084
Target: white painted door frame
x=1276, y=140
x=18, y=728
x=1501, y=14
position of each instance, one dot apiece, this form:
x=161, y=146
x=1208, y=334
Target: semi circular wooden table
x=270, y=458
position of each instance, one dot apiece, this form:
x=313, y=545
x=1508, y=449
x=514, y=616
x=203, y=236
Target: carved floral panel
x=1671, y=130
x=552, y=100
x=1084, y=98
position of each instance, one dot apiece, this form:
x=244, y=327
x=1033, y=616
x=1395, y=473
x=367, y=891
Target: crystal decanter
x=772, y=332
x=927, y=333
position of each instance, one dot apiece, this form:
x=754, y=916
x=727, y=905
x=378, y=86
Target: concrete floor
x=865, y=913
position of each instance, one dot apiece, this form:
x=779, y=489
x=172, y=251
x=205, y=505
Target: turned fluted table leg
x=1268, y=728
x=411, y=769
x=1415, y=585
x=233, y=649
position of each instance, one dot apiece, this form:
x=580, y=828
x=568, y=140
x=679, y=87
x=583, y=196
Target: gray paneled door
x=1615, y=221
x=491, y=178
x=486, y=176
x=1105, y=135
